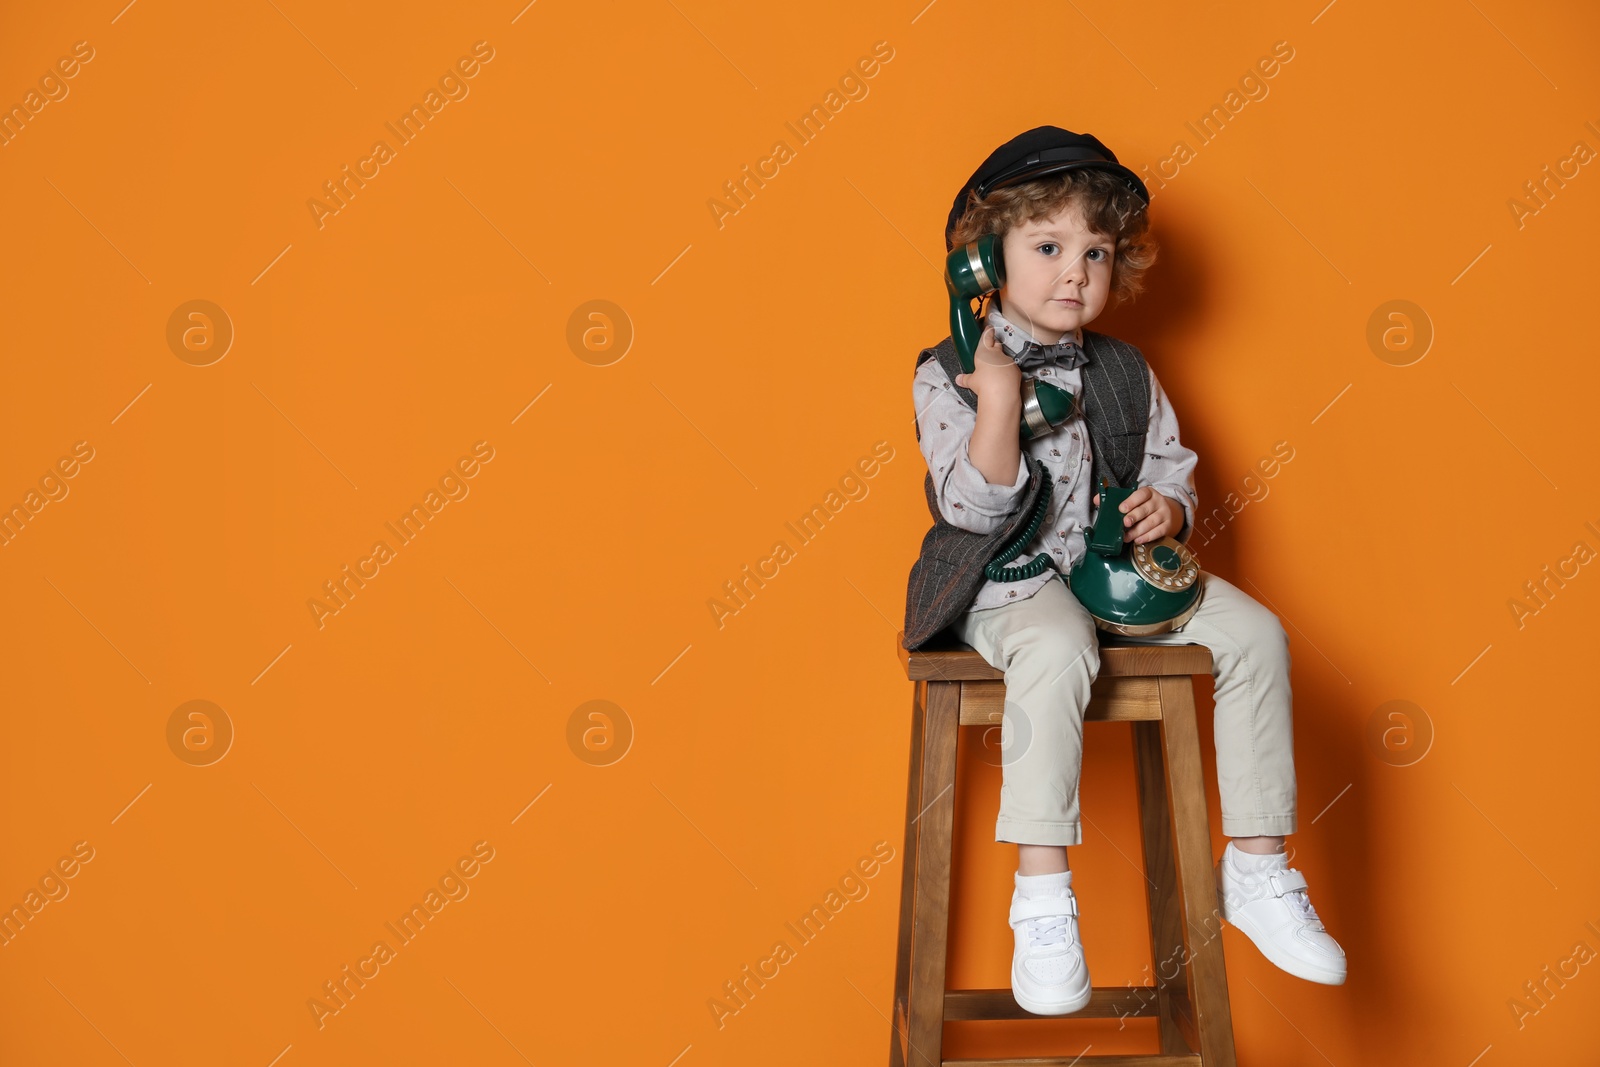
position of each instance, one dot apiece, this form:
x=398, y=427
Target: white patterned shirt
x=968, y=500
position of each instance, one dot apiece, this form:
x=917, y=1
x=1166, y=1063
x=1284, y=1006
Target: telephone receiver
x=972, y=272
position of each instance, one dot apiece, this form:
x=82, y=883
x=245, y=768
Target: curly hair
x=1105, y=203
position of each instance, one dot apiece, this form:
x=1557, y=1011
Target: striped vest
x=1115, y=403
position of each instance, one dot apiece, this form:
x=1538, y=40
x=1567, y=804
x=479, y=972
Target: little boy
x=1074, y=233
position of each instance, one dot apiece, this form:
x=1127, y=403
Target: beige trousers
x=1048, y=647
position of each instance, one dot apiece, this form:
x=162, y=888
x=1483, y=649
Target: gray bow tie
x=1065, y=354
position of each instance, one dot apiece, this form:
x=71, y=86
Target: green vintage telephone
x=1132, y=589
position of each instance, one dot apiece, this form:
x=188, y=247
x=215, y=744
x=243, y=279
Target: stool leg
x=908, y=867
x=1166, y=926
x=1208, y=979
x=918, y=1030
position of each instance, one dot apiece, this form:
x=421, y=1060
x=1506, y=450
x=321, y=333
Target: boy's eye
x=1100, y=252
x=1046, y=246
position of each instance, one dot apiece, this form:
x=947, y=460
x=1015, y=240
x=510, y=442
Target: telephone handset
x=972, y=272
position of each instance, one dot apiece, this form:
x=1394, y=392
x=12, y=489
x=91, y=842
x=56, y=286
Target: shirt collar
x=1018, y=342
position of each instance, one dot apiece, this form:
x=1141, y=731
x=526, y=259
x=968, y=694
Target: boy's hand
x=995, y=375
x=1148, y=515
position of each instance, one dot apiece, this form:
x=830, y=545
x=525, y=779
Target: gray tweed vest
x=1115, y=403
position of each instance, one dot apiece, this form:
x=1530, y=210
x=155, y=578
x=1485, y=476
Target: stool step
x=1105, y=1002
x=1153, y=1059
x=1111, y=700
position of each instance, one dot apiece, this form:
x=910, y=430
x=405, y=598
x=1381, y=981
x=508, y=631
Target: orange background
x=768, y=355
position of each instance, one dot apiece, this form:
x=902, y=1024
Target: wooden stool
x=1151, y=687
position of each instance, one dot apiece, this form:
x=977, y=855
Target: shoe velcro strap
x=1287, y=882
x=1043, y=908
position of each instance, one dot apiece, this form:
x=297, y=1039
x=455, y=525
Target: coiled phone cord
x=997, y=571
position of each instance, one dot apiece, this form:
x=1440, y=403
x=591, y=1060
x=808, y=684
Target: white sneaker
x=1048, y=972
x=1273, y=909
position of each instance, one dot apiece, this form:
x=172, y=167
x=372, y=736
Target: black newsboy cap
x=1040, y=151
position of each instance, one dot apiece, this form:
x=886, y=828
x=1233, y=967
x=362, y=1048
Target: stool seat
x=1151, y=687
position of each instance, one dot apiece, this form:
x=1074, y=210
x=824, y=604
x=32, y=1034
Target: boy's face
x=1058, y=275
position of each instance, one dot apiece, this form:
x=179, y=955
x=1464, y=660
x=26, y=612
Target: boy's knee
x=1271, y=638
